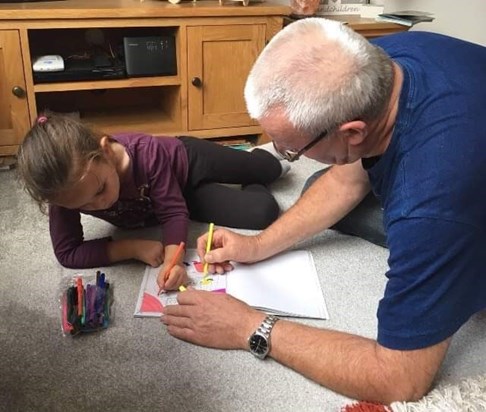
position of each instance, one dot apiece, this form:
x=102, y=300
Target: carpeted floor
x=135, y=365
x=469, y=395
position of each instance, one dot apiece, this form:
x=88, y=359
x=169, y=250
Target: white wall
x=464, y=19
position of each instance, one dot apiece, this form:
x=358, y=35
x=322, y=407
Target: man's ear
x=354, y=132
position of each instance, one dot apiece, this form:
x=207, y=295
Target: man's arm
x=348, y=364
x=356, y=366
x=328, y=200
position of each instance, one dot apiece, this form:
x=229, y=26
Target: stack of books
x=405, y=17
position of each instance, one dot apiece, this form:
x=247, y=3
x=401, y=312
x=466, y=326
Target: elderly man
x=402, y=116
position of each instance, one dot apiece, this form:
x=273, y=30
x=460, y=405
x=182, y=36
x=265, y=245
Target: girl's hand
x=176, y=277
x=150, y=252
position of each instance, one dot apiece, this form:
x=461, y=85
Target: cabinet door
x=14, y=112
x=219, y=60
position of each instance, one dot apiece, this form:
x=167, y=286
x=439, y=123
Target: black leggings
x=365, y=220
x=212, y=167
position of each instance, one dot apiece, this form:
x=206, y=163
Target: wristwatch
x=259, y=341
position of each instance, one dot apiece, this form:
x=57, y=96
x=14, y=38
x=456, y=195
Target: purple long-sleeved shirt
x=152, y=193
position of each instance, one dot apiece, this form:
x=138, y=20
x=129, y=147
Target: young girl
x=135, y=180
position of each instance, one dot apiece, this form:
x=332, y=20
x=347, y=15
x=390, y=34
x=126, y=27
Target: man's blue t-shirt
x=432, y=184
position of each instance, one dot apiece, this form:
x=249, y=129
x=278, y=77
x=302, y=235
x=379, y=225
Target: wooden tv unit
x=216, y=46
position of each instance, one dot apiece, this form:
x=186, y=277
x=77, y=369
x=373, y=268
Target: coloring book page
x=286, y=284
x=150, y=302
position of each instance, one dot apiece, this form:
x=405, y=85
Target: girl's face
x=98, y=189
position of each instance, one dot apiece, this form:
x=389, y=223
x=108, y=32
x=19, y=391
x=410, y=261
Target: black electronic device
x=77, y=69
x=150, y=56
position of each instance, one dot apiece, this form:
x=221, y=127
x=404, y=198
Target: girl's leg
x=211, y=162
x=253, y=207
x=211, y=166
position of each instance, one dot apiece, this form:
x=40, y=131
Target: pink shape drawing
x=150, y=303
x=199, y=266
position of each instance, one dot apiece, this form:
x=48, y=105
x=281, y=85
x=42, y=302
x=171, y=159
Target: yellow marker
x=182, y=288
x=208, y=247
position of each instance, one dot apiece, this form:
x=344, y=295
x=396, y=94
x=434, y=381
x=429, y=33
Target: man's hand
x=227, y=246
x=352, y=365
x=215, y=320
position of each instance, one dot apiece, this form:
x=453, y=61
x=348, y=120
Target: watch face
x=258, y=344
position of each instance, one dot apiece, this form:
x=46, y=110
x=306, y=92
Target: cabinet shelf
x=108, y=84
x=151, y=109
x=149, y=120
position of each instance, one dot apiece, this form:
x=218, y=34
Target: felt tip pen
x=80, y=290
x=173, y=262
x=208, y=247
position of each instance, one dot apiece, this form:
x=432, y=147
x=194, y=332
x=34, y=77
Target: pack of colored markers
x=86, y=303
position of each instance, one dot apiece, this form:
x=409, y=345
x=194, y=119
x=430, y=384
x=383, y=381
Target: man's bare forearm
x=327, y=201
x=355, y=366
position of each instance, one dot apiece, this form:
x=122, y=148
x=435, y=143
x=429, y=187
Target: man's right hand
x=227, y=246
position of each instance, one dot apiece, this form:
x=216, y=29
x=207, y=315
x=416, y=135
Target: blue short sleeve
x=436, y=281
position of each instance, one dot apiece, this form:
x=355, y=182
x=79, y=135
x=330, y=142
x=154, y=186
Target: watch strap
x=264, y=331
x=266, y=326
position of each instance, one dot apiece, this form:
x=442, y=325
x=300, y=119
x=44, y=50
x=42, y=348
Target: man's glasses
x=293, y=155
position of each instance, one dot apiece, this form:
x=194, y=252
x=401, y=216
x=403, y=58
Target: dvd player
x=83, y=69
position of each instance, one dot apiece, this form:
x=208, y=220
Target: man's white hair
x=321, y=74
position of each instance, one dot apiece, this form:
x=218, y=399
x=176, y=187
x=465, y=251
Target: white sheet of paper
x=285, y=284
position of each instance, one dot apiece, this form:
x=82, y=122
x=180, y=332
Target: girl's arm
x=67, y=238
x=72, y=251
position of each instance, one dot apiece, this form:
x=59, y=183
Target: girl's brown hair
x=54, y=155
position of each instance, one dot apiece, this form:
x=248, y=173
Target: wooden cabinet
x=219, y=61
x=216, y=47
x=14, y=110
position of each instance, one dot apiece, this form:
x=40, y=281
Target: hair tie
x=41, y=119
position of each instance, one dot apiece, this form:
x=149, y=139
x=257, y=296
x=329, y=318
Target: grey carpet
x=135, y=365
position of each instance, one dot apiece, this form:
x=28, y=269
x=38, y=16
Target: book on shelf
x=406, y=17
x=286, y=284
x=240, y=144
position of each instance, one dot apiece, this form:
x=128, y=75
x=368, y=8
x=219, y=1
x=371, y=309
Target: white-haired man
x=402, y=116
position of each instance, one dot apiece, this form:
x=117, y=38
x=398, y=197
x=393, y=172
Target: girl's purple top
x=150, y=194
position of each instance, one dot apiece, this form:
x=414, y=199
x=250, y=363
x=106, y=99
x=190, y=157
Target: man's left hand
x=215, y=320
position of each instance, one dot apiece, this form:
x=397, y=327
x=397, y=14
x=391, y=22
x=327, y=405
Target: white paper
x=285, y=285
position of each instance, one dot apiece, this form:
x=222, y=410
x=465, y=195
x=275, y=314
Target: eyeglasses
x=293, y=155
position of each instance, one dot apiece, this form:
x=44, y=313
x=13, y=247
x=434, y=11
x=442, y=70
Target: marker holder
x=86, y=303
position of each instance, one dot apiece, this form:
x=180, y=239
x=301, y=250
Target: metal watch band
x=267, y=325
x=259, y=341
